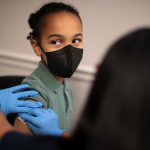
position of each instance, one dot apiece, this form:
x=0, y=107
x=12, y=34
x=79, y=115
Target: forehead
x=61, y=23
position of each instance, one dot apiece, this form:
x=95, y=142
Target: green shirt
x=53, y=94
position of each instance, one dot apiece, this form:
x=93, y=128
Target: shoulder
x=37, y=85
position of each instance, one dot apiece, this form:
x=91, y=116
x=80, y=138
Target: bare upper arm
x=22, y=127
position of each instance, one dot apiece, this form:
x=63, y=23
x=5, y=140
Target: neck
x=59, y=79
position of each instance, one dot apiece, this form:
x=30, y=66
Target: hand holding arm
x=43, y=122
x=10, y=100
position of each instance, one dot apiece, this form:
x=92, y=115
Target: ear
x=35, y=47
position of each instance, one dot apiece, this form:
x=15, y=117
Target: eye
x=76, y=41
x=56, y=42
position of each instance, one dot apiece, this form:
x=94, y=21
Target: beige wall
x=104, y=21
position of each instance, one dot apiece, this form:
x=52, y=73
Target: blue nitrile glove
x=10, y=100
x=42, y=122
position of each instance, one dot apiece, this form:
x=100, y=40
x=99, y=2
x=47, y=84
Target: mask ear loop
x=38, y=44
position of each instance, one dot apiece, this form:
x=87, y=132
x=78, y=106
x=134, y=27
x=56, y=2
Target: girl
x=57, y=38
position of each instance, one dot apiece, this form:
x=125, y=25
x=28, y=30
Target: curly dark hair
x=35, y=19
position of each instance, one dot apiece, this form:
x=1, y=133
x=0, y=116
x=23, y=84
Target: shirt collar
x=48, y=79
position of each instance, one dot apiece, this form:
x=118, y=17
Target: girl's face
x=58, y=30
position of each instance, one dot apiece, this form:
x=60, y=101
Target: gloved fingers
x=30, y=104
x=32, y=127
x=23, y=109
x=26, y=94
x=19, y=87
x=28, y=118
x=37, y=112
x=52, y=112
x=59, y=132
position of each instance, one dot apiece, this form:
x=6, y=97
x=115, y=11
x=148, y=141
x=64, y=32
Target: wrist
x=65, y=134
x=58, y=132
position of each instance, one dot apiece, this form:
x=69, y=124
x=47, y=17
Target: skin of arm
x=65, y=135
x=4, y=125
x=22, y=127
x=19, y=126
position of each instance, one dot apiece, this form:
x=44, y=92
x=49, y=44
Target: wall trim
x=28, y=63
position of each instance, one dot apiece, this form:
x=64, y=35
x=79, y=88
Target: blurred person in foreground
x=116, y=115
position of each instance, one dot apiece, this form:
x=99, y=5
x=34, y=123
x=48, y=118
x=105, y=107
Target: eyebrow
x=79, y=34
x=62, y=36
x=56, y=35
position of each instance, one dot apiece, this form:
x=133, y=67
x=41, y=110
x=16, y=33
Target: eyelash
x=54, y=42
x=80, y=40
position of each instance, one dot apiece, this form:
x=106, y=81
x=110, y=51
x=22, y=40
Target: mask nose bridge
x=68, y=45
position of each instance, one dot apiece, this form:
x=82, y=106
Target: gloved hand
x=42, y=122
x=10, y=103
